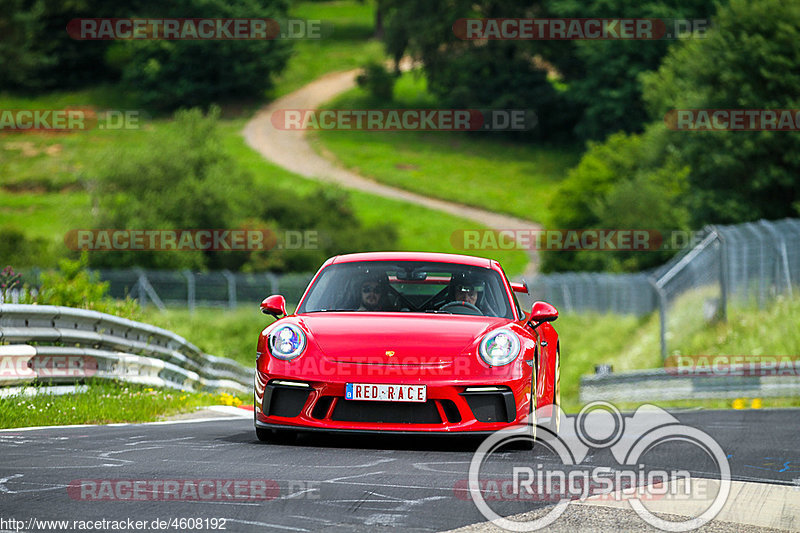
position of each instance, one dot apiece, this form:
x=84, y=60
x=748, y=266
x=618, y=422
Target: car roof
x=415, y=256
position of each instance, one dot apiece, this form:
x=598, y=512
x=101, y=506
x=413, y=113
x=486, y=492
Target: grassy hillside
x=44, y=177
x=485, y=170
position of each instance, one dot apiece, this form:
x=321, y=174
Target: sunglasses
x=370, y=289
x=466, y=290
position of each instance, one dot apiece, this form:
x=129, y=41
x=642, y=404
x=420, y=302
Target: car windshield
x=408, y=286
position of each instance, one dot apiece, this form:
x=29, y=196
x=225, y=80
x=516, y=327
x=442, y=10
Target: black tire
x=275, y=436
x=264, y=435
x=557, y=389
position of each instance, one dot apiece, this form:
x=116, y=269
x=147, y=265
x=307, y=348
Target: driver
x=372, y=293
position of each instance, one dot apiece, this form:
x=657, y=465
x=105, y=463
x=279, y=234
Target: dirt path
x=292, y=151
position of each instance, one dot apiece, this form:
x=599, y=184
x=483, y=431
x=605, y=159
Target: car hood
x=367, y=337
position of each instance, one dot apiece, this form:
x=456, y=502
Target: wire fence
x=745, y=264
x=185, y=288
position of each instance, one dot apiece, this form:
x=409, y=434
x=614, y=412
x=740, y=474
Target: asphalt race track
x=320, y=482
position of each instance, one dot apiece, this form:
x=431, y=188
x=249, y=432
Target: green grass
x=349, y=46
x=481, y=170
x=104, y=403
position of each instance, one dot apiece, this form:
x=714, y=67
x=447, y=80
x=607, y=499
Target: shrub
x=74, y=286
x=377, y=81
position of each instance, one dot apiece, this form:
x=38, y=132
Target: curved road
x=345, y=483
x=292, y=151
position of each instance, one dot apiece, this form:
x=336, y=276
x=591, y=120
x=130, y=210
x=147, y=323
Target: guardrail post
x=231, y=288
x=146, y=288
x=782, y=253
x=662, y=315
x=190, y=289
x=723, y=275
x=274, y=283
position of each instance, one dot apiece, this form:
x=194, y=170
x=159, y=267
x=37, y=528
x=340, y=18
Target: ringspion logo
x=598, y=426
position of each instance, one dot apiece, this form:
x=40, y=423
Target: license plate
x=385, y=393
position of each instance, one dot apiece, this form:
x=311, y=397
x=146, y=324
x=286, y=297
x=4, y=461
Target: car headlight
x=287, y=342
x=499, y=347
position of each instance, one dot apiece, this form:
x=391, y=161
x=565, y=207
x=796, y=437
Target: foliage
x=72, y=285
x=180, y=178
x=172, y=74
x=476, y=74
x=20, y=250
x=36, y=52
x=184, y=179
x=628, y=182
x=602, y=76
x=748, y=61
x=377, y=81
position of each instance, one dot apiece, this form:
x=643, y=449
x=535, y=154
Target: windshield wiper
x=331, y=310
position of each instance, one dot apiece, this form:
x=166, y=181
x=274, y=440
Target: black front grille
x=388, y=412
x=451, y=411
x=492, y=406
x=321, y=407
x=284, y=400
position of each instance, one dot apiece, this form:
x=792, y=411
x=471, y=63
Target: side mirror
x=542, y=312
x=274, y=305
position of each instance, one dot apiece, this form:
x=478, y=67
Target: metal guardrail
x=75, y=344
x=660, y=384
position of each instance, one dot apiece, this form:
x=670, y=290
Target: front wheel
x=557, y=391
x=264, y=435
x=276, y=436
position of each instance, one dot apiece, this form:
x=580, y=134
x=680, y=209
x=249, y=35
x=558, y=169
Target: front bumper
x=286, y=402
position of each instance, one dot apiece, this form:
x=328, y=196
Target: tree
x=173, y=74
x=628, y=182
x=750, y=60
x=602, y=76
x=474, y=73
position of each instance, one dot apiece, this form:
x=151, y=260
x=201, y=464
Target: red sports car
x=399, y=342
